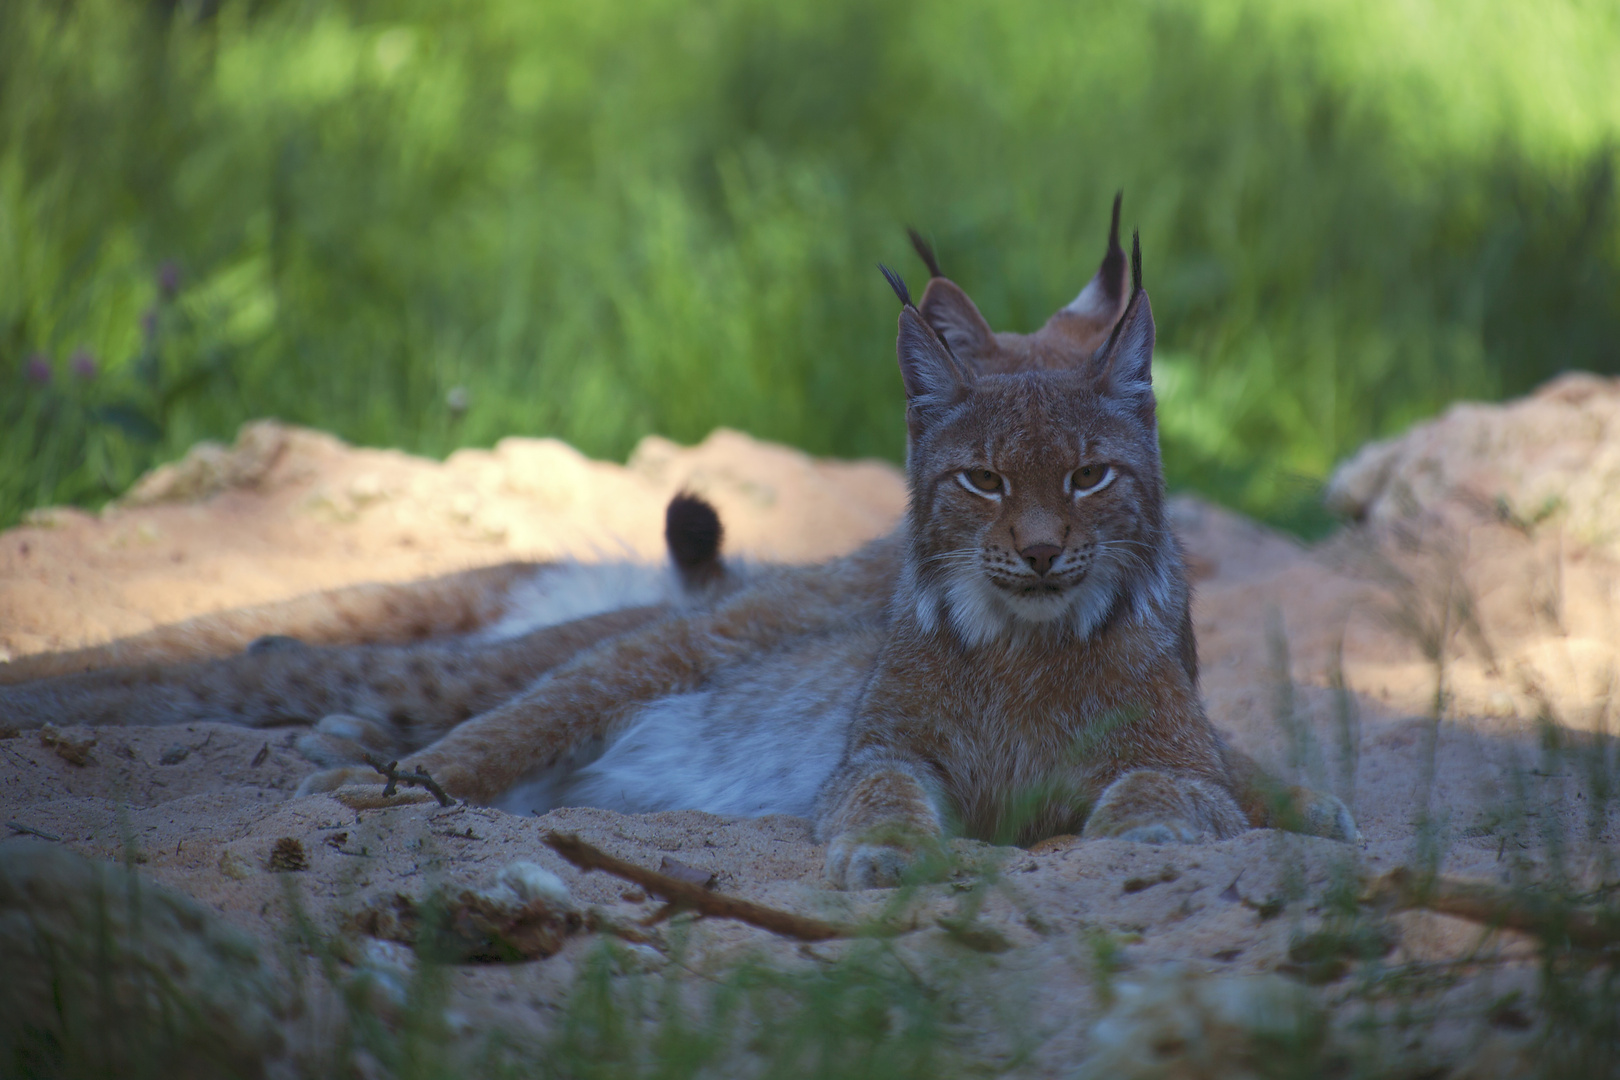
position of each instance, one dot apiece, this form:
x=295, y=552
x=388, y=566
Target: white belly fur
x=569, y=591
x=762, y=740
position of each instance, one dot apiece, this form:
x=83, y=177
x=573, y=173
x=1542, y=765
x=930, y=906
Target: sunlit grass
x=605, y=220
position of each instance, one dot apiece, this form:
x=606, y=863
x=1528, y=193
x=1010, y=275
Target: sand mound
x=1327, y=662
x=1551, y=458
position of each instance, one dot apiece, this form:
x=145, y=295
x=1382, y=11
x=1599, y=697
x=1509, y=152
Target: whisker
x=960, y=554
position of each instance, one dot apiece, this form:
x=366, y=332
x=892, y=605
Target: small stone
x=234, y=866
x=631, y=958
x=175, y=754
x=1173, y=1021
x=71, y=749
x=692, y=875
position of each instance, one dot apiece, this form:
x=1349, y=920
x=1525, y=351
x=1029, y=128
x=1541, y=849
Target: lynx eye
x=982, y=482
x=1090, y=479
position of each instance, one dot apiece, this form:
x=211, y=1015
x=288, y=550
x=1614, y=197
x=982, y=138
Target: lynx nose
x=1041, y=556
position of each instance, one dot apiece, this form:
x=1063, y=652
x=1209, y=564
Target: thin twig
x=687, y=895
x=1493, y=905
x=419, y=778
x=31, y=831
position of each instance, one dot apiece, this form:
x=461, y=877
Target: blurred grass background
x=432, y=225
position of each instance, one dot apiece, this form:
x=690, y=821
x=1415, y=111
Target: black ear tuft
x=897, y=285
x=693, y=534
x=925, y=250
x=1136, y=262
x=1102, y=301
x=1106, y=351
x=1112, y=272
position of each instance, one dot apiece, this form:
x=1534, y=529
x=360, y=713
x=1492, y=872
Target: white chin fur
x=981, y=613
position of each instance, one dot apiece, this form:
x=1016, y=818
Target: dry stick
x=688, y=895
x=31, y=831
x=1493, y=905
x=419, y=778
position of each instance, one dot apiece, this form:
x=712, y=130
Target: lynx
x=1016, y=660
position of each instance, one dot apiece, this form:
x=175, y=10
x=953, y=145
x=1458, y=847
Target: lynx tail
x=693, y=534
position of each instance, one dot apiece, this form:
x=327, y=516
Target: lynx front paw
x=1158, y=807
x=1320, y=814
x=873, y=860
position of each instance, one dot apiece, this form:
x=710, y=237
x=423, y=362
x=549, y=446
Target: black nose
x=1041, y=556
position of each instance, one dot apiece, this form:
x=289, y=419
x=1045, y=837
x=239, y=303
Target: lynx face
x=1037, y=499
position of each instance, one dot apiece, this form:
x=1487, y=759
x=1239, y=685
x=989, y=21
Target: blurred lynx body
x=1014, y=661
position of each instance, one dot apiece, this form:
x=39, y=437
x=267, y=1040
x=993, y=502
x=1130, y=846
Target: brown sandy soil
x=1322, y=661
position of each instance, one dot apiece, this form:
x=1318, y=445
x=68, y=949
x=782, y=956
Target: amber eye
x=981, y=481
x=1088, y=479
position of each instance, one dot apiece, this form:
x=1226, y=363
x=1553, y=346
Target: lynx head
x=1037, y=498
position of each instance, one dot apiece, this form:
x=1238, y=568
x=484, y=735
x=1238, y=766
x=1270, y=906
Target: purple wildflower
x=168, y=279
x=149, y=323
x=84, y=365
x=38, y=369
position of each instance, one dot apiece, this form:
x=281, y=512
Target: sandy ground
x=1322, y=661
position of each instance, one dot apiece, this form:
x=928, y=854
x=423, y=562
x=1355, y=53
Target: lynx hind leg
x=1160, y=807
x=453, y=604
x=879, y=827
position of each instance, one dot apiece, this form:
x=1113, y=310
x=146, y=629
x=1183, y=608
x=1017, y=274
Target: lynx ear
x=1101, y=301
x=933, y=377
x=957, y=320
x=1124, y=364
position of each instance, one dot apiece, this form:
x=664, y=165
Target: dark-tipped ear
x=932, y=376
x=957, y=320
x=1127, y=372
x=925, y=252
x=1103, y=299
x=1127, y=364
x=1124, y=364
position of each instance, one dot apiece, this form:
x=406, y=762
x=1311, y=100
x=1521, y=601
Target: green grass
x=605, y=220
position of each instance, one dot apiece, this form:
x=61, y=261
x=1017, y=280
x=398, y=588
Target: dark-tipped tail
x=693, y=534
